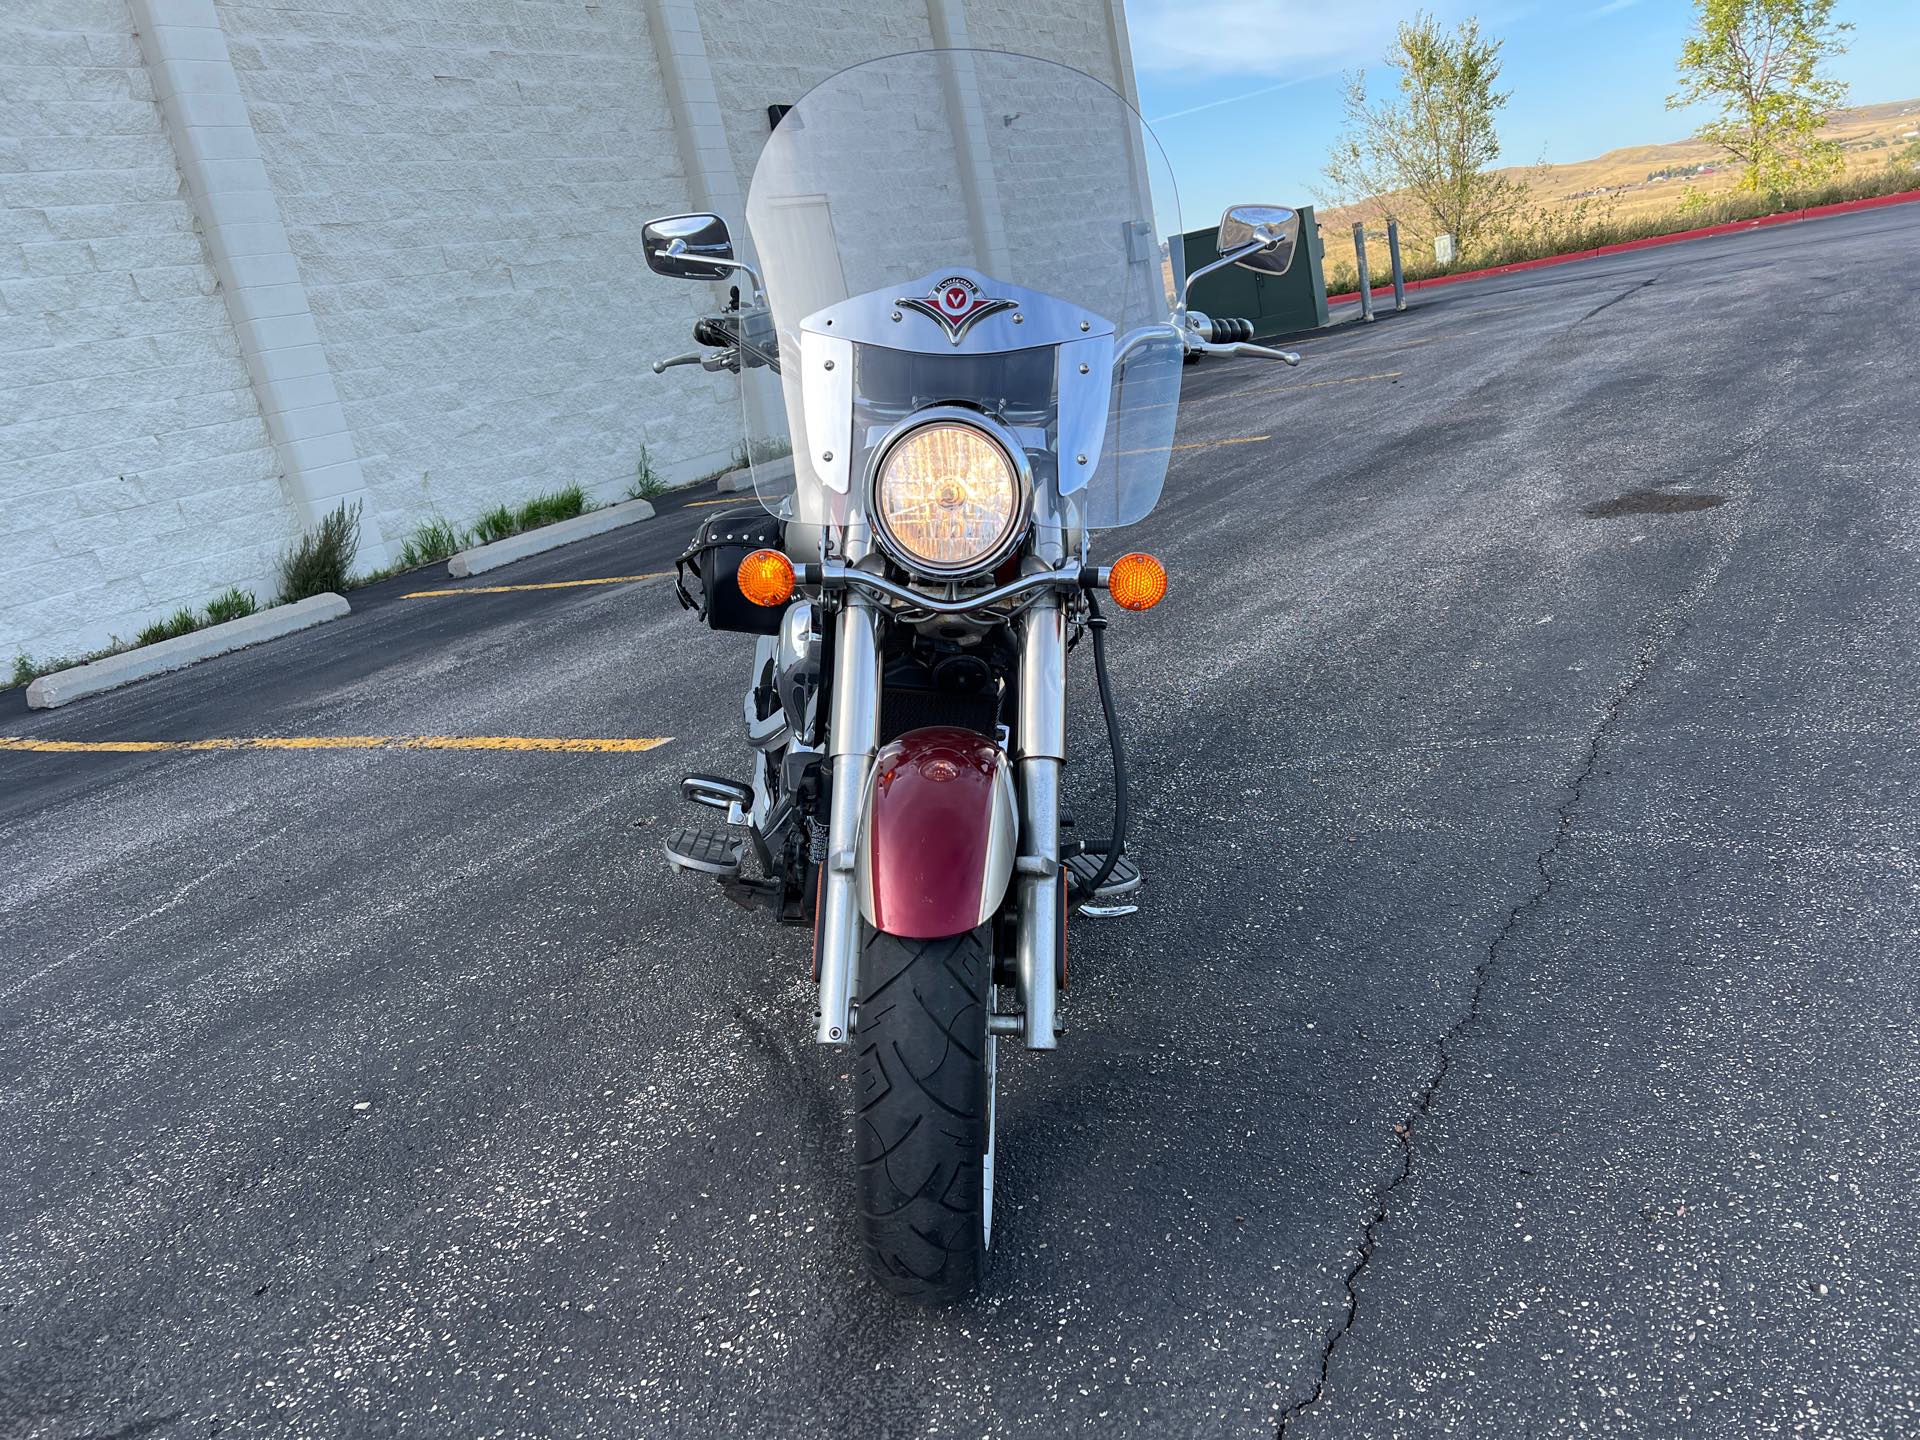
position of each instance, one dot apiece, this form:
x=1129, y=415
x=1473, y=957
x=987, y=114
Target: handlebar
x=1071, y=576
x=1231, y=335
x=735, y=338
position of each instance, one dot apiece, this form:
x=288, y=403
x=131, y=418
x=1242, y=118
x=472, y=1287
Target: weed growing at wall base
x=438, y=538
x=503, y=520
x=182, y=622
x=231, y=605
x=562, y=504
x=647, y=484
x=431, y=540
x=322, y=558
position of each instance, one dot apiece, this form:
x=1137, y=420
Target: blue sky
x=1245, y=94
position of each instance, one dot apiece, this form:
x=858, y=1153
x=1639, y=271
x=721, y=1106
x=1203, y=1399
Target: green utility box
x=1276, y=304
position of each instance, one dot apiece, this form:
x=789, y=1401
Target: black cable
x=1097, y=624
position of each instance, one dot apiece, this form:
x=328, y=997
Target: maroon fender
x=937, y=832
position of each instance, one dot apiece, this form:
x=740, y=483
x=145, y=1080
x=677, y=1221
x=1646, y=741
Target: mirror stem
x=1237, y=253
x=679, y=251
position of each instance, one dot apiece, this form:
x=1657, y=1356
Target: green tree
x=1428, y=145
x=1761, y=60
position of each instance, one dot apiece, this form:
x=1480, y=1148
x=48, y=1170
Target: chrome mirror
x=1273, y=230
x=689, y=247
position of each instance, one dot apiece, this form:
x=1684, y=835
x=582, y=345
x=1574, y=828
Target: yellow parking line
x=567, y=743
x=724, y=500
x=1192, y=445
x=1209, y=444
x=543, y=585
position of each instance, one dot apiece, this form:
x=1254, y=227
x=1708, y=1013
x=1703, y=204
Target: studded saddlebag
x=713, y=559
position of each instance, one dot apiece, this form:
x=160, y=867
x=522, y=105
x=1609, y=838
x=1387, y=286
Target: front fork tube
x=853, y=737
x=1043, y=753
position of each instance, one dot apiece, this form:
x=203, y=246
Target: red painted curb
x=1783, y=218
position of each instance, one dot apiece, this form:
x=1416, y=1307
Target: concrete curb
x=735, y=482
x=123, y=669
x=482, y=558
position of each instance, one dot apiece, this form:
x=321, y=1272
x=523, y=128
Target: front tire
x=924, y=1118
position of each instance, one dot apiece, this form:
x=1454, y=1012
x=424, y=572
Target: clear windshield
x=914, y=191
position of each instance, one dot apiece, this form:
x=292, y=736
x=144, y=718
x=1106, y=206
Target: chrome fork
x=1043, y=754
x=852, y=742
x=853, y=738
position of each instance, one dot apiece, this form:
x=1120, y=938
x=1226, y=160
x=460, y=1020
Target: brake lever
x=692, y=357
x=1245, y=347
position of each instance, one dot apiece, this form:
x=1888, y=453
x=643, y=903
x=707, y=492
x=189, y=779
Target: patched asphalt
x=1517, y=1037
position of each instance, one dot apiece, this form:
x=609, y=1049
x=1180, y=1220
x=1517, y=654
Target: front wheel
x=923, y=1131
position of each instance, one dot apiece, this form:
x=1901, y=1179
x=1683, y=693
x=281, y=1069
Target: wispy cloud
x=1289, y=38
x=1612, y=7
x=1230, y=100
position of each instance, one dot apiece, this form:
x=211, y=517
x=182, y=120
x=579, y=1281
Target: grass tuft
x=182, y=622
x=646, y=483
x=503, y=520
x=232, y=605
x=760, y=450
x=322, y=558
x=562, y=504
x=431, y=540
x=494, y=524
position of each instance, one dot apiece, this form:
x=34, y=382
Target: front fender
x=937, y=834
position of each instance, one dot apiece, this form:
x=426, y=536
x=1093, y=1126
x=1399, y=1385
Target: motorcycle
x=960, y=347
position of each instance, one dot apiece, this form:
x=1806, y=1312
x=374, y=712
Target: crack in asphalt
x=1670, y=628
x=1631, y=290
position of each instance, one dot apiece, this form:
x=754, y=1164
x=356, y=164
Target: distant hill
x=1648, y=179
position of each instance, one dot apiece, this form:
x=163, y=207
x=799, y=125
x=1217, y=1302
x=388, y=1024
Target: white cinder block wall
x=461, y=189
x=136, y=474
x=464, y=187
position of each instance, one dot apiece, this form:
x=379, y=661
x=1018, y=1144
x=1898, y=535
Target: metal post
x=1366, y=282
x=1399, y=278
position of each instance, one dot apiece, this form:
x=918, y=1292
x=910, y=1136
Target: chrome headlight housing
x=951, y=493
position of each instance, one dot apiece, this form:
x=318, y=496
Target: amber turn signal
x=766, y=578
x=1137, y=582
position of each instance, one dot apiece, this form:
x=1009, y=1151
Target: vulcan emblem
x=957, y=303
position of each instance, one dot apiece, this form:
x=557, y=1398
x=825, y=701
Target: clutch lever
x=1245, y=347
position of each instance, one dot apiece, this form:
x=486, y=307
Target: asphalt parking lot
x=1517, y=1038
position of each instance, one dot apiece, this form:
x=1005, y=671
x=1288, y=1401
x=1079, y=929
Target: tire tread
x=921, y=1112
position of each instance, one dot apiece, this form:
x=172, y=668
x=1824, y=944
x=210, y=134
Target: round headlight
x=949, y=498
